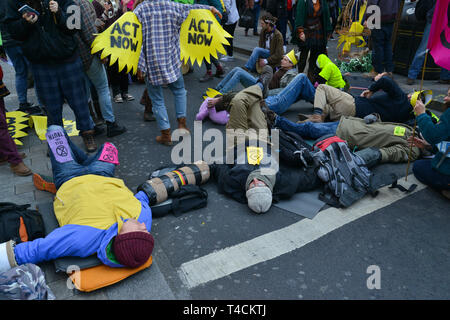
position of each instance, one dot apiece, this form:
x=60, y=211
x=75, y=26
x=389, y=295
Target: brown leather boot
x=165, y=138
x=89, y=141
x=20, y=169
x=182, y=125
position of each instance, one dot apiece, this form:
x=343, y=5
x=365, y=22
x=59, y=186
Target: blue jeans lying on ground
x=299, y=88
x=428, y=175
x=235, y=76
x=80, y=165
x=256, y=54
x=159, y=109
x=307, y=130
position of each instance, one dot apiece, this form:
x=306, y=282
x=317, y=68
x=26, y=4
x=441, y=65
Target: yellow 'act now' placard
x=122, y=41
x=201, y=36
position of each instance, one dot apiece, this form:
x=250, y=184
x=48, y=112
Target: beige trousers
x=334, y=102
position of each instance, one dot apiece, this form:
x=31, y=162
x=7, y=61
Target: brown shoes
x=310, y=118
x=89, y=141
x=182, y=124
x=20, y=169
x=165, y=138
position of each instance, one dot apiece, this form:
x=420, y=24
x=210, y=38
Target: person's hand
x=212, y=102
x=419, y=143
x=379, y=76
x=53, y=6
x=262, y=62
x=366, y=94
x=215, y=12
x=30, y=18
x=365, y=24
x=140, y=75
x=419, y=108
x=105, y=60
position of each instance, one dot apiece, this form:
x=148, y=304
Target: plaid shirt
x=86, y=35
x=161, y=22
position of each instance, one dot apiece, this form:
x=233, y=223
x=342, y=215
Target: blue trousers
x=159, y=109
x=382, y=48
x=235, y=76
x=57, y=82
x=21, y=66
x=428, y=175
x=299, y=88
x=307, y=130
x=81, y=164
x=417, y=64
x=256, y=54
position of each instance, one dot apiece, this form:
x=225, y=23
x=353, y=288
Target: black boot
x=113, y=129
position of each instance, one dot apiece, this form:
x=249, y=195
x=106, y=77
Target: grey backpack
x=345, y=175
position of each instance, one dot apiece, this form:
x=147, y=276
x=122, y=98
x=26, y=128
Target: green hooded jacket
x=330, y=72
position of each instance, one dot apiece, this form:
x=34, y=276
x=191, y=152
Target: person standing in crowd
x=159, y=63
x=381, y=38
x=93, y=67
x=278, y=8
x=108, y=11
x=255, y=8
x=20, y=63
x=334, y=7
x=230, y=26
x=434, y=172
x=8, y=149
x=218, y=4
x=313, y=27
x=270, y=46
x=424, y=12
x=50, y=46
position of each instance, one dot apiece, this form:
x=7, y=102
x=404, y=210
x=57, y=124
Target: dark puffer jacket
x=49, y=40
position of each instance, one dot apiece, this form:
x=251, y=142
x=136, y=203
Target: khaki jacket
x=245, y=110
x=389, y=137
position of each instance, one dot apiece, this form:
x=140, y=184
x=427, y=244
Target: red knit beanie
x=133, y=249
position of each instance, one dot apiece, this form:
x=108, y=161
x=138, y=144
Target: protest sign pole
x=415, y=119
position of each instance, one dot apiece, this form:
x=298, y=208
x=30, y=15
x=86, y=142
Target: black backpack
x=295, y=151
x=19, y=223
x=188, y=197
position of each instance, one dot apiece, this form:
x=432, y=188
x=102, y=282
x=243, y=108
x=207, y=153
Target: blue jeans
x=307, y=130
x=21, y=66
x=426, y=174
x=382, y=48
x=97, y=76
x=80, y=165
x=256, y=11
x=256, y=54
x=235, y=76
x=299, y=87
x=159, y=109
x=417, y=64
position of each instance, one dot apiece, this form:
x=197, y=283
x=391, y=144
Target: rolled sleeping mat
x=159, y=189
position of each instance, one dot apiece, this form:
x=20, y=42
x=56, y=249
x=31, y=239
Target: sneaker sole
x=43, y=185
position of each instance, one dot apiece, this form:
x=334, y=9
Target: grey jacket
x=284, y=81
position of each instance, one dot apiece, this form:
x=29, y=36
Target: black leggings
x=230, y=29
x=118, y=80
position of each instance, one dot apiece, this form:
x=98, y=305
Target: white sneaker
x=227, y=59
x=118, y=98
x=127, y=97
